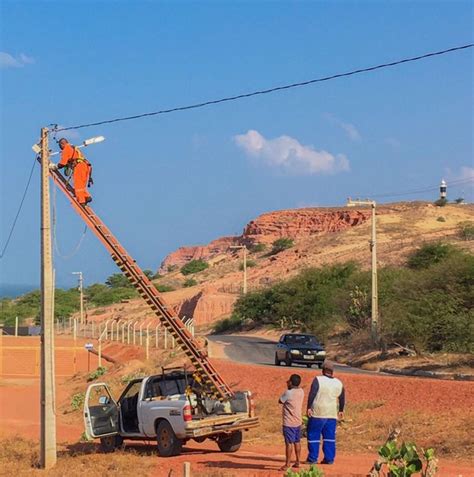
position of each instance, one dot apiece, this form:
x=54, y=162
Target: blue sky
x=187, y=178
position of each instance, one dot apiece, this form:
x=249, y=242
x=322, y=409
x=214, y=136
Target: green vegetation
x=118, y=280
x=466, y=230
x=441, y=202
x=429, y=254
x=441, y=219
x=281, y=244
x=102, y=295
x=163, y=288
x=77, y=401
x=257, y=248
x=428, y=305
x=194, y=266
x=189, y=282
x=149, y=274
x=172, y=268
x=313, y=471
x=250, y=264
x=405, y=460
x=100, y=371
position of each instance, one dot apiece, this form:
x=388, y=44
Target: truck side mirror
x=103, y=400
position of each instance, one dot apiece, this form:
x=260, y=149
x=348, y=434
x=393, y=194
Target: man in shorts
x=292, y=401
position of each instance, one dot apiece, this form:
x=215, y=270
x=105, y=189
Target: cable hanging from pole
x=267, y=91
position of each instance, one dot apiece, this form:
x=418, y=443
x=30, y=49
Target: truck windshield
x=301, y=340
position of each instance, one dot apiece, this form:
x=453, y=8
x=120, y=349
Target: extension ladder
x=213, y=384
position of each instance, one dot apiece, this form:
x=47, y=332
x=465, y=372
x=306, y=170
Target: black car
x=299, y=348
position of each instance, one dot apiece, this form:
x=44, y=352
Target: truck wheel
x=288, y=361
x=230, y=443
x=277, y=361
x=110, y=443
x=167, y=442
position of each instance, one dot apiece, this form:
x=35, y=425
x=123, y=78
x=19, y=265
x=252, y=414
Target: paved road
x=254, y=350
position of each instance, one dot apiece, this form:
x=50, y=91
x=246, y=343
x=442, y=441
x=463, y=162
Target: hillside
x=321, y=236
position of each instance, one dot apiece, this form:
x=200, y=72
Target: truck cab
x=170, y=408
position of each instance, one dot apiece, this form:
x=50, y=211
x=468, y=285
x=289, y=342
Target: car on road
x=168, y=408
x=299, y=348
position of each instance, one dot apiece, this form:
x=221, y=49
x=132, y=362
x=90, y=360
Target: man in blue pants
x=326, y=402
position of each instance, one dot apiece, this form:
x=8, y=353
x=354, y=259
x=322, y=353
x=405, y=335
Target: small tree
x=466, y=230
x=117, y=280
x=257, y=248
x=441, y=202
x=250, y=264
x=149, y=273
x=429, y=254
x=194, y=266
x=189, y=282
x=281, y=244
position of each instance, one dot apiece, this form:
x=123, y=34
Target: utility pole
x=244, y=248
x=48, y=416
x=81, y=291
x=373, y=248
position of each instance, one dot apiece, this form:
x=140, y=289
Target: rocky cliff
x=295, y=224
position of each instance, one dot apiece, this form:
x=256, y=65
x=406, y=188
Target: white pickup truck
x=169, y=408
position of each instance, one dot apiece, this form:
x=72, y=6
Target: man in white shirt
x=326, y=402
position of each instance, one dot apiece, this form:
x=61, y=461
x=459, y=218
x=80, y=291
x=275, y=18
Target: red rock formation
x=293, y=223
x=301, y=223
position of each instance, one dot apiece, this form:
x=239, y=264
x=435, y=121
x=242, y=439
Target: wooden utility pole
x=373, y=248
x=48, y=415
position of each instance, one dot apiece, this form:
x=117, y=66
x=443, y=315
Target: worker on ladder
x=73, y=159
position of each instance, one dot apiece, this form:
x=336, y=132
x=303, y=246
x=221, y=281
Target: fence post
x=134, y=331
x=16, y=326
x=166, y=338
x=93, y=329
x=156, y=335
x=147, y=345
x=187, y=469
x=141, y=334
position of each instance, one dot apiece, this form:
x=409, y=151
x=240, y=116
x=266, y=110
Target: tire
x=309, y=365
x=230, y=443
x=167, y=442
x=109, y=444
x=320, y=365
x=277, y=361
x=288, y=361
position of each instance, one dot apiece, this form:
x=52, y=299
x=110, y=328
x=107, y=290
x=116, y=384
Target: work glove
x=53, y=166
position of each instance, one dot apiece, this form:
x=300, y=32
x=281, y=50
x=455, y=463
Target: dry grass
x=20, y=457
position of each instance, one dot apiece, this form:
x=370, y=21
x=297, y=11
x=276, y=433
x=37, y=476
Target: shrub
x=233, y=323
x=257, y=248
x=149, y=274
x=77, y=401
x=189, y=282
x=313, y=471
x=429, y=254
x=194, y=266
x=100, y=371
x=163, y=288
x=250, y=264
x=118, y=280
x=441, y=202
x=441, y=219
x=281, y=244
x=466, y=230
x=459, y=200
x=101, y=295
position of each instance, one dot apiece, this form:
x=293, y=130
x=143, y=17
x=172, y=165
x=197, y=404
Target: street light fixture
x=244, y=248
x=373, y=249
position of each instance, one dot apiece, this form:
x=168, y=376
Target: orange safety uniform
x=72, y=157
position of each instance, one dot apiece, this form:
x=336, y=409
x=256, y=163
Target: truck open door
x=101, y=414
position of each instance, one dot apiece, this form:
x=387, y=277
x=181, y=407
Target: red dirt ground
x=19, y=414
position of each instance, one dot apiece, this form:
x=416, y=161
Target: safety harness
x=73, y=161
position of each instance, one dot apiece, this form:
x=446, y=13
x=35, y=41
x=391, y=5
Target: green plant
x=118, y=280
x=189, y=282
x=194, y=266
x=257, y=248
x=228, y=324
x=429, y=254
x=100, y=371
x=172, y=268
x=149, y=273
x=313, y=471
x=250, y=264
x=77, y=401
x=281, y=244
x=441, y=219
x=163, y=288
x=466, y=230
x=459, y=200
x=405, y=460
x=441, y=202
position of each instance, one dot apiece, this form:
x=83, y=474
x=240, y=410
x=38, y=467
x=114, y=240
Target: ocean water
x=13, y=291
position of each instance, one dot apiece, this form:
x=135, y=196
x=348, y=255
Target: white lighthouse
x=442, y=190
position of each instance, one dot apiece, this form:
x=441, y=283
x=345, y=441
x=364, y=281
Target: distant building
x=443, y=190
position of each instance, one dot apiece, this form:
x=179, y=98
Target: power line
x=455, y=183
x=19, y=210
x=267, y=91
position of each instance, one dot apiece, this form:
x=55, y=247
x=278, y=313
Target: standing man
x=326, y=402
x=72, y=157
x=292, y=401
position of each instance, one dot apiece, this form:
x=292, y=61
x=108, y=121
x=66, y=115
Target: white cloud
x=351, y=131
x=287, y=153
x=9, y=61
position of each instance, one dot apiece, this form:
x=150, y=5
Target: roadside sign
x=89, y=346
